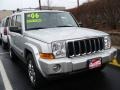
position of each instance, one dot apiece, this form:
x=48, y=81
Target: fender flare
x=33, y=49
x=9, y=39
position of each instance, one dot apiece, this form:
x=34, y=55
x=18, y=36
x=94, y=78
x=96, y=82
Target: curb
x=116, y=62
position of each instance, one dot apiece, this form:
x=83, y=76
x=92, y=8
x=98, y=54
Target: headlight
x=107, y=42
x=58, y=49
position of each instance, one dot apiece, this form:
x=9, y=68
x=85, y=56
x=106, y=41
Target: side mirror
x=15, y=29
x=80, y=24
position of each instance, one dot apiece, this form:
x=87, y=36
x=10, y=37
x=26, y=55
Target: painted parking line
x=6, y=81
x=4, y=53
x=1, y=83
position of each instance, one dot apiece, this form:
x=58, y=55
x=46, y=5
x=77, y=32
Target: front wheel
x=33, y=73
x=12, y=54
x=4, y=45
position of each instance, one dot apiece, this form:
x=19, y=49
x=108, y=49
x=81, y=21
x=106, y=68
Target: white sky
x=14, y=4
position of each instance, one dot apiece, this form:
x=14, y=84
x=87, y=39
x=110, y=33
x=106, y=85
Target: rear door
x=13, y=34
x=19, y=39
x=5, y=29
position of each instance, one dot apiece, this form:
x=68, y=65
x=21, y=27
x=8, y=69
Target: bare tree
x=99, y=14
x=49, y=2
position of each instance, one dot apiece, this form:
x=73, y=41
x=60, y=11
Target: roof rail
x=25, y=9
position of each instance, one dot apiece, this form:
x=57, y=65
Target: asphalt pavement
x=14, y=77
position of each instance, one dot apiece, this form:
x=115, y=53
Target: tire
x=8, y=45
x=12, y=55
x=4, y=45
x=0, y=41
x=34, y=75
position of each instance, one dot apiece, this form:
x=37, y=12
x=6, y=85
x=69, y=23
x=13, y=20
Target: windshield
x=41, y=20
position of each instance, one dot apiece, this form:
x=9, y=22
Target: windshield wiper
x=36, y=28
x=65, y=26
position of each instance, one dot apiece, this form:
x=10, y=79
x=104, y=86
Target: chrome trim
x=90, y=46
x=74, y=48
x=99, y=43
x=96, y=41
x=95, y=45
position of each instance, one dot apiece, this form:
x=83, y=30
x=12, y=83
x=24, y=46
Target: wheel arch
x=9, y=39
x=30, y=48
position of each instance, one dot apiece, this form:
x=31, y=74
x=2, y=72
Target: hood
x=63, y=33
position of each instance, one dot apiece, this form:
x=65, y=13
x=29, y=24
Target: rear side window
x=7, y=22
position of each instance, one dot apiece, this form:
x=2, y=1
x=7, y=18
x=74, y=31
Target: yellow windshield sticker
x=33, y=18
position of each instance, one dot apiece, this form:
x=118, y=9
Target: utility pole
x=90, y=0
x=48, y=2
x=40, y=4
x=78, y=3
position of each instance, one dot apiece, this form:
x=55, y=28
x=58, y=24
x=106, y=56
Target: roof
x=29, y=11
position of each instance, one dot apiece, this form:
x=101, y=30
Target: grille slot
x=82, y=48
x=86, y=46
x=96, y=44
x=93, y=45
x=77, y=47
x=70, y=49
x=101, y=43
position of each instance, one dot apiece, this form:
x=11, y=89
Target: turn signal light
x=49, y=56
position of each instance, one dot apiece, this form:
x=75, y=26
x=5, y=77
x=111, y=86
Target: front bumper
x=69, y=65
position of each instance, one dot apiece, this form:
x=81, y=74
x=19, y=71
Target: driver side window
x=16, y=24
x=18, y=21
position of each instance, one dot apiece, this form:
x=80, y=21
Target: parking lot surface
x=14, y=77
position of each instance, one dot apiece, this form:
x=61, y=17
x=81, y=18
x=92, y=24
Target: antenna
x=40, y=4
x=78, y=3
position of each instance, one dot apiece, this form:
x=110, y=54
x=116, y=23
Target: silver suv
x=51, y=43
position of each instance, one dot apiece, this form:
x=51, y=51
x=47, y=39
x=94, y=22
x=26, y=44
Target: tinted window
x=13, y=21
x=7, y=22
x=18, y=21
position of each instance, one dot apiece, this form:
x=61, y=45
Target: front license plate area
x=94, y=63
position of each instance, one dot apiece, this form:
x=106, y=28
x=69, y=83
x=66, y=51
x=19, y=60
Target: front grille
x=86, y=46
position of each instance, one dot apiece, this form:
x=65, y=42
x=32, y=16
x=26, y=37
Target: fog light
x=57, y=67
